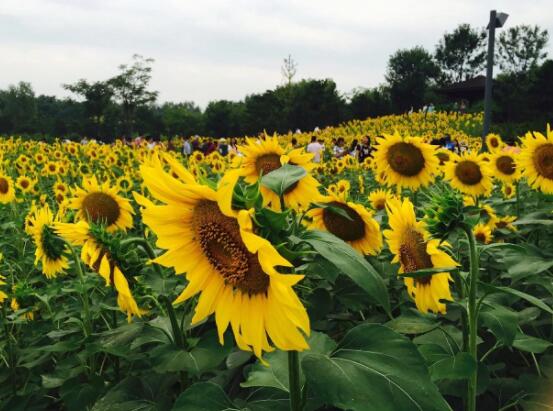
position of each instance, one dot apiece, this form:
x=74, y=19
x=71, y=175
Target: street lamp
x=497, y=20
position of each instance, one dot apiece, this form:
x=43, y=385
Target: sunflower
x=505, y=222
x=406, y=161
x=482, y=233
x=342, y=188
x=508, y=190
x=444, y=155
x=3, y=295
x=536, y=160
x=504, y=166
x=409, y=241
x=101, y=204
x=124, y=183
x=95, y=256
x=232, y=268
x=360, y=230
x=49, y=248
x=50, y=168
x=25, y=184
x=378, y=199
x=260, y=158
x=7, y=192
x=60, y=186
x=469, y=174
x=494, y=143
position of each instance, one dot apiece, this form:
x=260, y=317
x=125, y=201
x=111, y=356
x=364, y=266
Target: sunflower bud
x=444, y=211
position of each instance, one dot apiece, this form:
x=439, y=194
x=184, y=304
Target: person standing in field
x=364, y=149
x=315, y=148
x=186, y=147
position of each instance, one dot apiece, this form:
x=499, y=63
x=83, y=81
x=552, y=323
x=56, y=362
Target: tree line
x=124, y=105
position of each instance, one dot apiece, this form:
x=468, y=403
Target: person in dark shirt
x=364, y=149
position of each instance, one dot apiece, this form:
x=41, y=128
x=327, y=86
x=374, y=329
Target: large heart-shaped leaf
x=283, y=178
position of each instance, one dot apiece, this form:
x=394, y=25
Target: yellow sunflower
x=262, y=157
x=378, y=199
x=50, y=168
x=49, y=248
x=508, y=190
x=482, y=233
x=536, y=160
x=7, y=192
x=95, y=256
x=412, y=247
x=232, y=268
x=504, y=222
x=406, y=161
x=504, y=166
x=494, y=143
x=101, y=204
x=469, y=174
x=25, y=184
x=3, y=295
x=361, y=231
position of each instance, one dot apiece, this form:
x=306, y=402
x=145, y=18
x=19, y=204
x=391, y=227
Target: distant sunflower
x=406, y=161
x=95, y=256
x=505, y=222
x=343, y=187
x=232, y=268
x=101, y=204
x=536, y=160
x=262, y=157
x=360, y=230
x=508, y=190
x=412, y=247
x=25, y=184
x=124, y=183
x=51, y=168
x=504, y=166
x=494, y=143
x=7, y=192
x=3, y=295
x=378, y=199
x=482, y=233
x=469, y=174
x=50, y=248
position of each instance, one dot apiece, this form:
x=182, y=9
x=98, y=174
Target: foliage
x=521, y=48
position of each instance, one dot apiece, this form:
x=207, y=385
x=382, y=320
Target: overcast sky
x=206, y=50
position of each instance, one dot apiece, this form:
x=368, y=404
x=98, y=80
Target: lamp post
x=497, y=20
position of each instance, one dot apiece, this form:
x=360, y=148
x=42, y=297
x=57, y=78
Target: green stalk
x=177, y=331
x=84, y=295
x=473, y=315
x=294, y=381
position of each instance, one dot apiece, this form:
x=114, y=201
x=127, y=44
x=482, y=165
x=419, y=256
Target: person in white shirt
x=316, y=149
x=186, y=147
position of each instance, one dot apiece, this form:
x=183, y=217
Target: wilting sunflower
x=504, y=166
x=7, y=192
x=262, y=157
x=469, y=174
x=232, y=268
x=482, y=233
x=536, y=160
x=101, y=204
x=94, y=255
x=50, y=248
x=378, y=199
x=360, y=230
x=409, y=241
x=406, y=161
x=494, y=142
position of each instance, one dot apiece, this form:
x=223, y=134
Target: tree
x=366, y=103
x=461, y=54
x=130, y=89
x=521, y=48
x=181, y=118
x=18, y=108
x=224, y=118
x=289, y=69
x=410, y=73
x=97, y=97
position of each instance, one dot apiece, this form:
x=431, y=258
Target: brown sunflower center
x=4, y=185
x=443, y=157
x=405, y=159
x=480, y=236
x=543, y=160
x=340, y=226
x=501, y=224
x=494, y=142
x=380, y=204
x=267, y=163
x=468, y=172
x=506, y=165
x=413, y=255
x=101, y=208
x=24, y=183
x=508, y=190
x=219, y=237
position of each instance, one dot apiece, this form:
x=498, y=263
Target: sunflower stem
x=472, y=315
x=294, y=381
x=84, y=295
x=147, y=248
x=177, y=331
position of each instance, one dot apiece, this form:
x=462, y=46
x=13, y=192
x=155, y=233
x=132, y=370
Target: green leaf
x=531, y=299
x=501, y=321
x=528, y=343
x=428, y=271
x=351, y=263
x=373, y=368
x=276, y=374
x=203, y=396
x=336, y=210
x=412, y=323
x=283, y=178
x=457, y=367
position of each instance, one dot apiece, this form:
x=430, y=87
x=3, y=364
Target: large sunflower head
x=469, y=174
x=7, y=192
x=233, y=269
x=414, y=250
x=503, y=164
x=101, y=204
x=406, y=161
x=50, y=248
x=349, y=221
x=536, y=160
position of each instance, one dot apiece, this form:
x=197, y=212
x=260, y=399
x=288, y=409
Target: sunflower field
x=137, y=278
